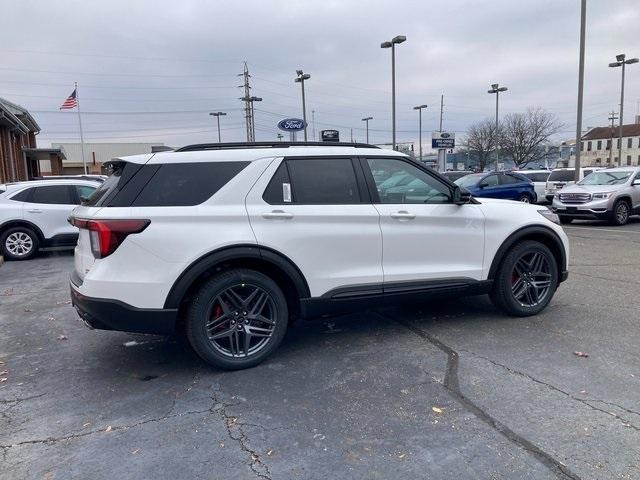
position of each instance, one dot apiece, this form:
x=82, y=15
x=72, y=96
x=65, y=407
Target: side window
x=328, y=181
x=84, y=191
x=279, y=189
x=53, y=195
x=539, y=177
x=490, y=181
x=185, y=184
x=23, y=196
x=507, y=179
x=416, y=186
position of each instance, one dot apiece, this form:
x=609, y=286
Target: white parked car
x=561, y=177
x=539, y=180
x=228, y=242
x=33, y=214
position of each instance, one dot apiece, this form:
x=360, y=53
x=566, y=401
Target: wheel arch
x=539, y=233
x=263, y=259
x=22, y=223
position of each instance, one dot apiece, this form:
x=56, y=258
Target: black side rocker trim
x=106, y=314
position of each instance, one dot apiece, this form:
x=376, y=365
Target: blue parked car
x=506, y=185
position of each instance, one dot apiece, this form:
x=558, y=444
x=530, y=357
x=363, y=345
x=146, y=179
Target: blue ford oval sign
x=291, y=124
x=445, y=135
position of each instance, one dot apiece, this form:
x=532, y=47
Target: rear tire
x=526, y=279
x=564, y=220
x=524, y=199
x=19, y=243
x=237, y=319
x=621, y=213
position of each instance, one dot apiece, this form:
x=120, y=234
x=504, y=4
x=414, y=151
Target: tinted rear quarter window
x=22, y=196
x=561, y=176
x=328, y=181
x=274, y=193
x=186, y=184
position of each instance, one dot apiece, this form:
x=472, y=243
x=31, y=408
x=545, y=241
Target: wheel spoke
x=225, y=333
x=259, y=304
x=216, y=322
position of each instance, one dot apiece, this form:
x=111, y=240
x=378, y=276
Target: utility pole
x=313, y=124
x=366, y=121
x=583, y=22
x=441, y=109
x=613, y=116
x=218, y=115
x=280, y=136
x=300, y=79
x=419, y=108
x=246, y=98
x=621, y=61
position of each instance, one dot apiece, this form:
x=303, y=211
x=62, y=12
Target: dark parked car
x=506, y=185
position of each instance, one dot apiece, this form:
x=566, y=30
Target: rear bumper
x=107, y=314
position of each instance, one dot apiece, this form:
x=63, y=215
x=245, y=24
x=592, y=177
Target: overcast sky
x=177, y=61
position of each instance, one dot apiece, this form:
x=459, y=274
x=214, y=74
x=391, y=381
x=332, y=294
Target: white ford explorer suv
x=33, y=214
x=228, y=242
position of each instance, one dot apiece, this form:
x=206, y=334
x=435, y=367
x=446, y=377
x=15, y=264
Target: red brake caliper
x=217, y=313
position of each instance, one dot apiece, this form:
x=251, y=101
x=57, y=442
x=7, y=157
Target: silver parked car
x=611, y=194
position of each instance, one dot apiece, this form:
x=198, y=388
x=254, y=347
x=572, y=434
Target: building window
x=615, y=160
x=599, y=144
x=608, y=145
x=618, y=143
x=598, y=160
x=628, y=159
x=629, y=142
x=589, y=146
x=582, y=146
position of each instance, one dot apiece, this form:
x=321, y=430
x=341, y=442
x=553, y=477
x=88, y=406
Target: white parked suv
x=33, y=214
x=539, y=180
x=562, y=177
x=227, y=243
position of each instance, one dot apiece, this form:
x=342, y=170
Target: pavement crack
x=584, y=401
x=452, y=384
x=23, y=399
x=236, y=433
x=73, y=436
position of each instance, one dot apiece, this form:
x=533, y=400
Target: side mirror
x=461, y=196
x=482, y=185
x=636, y=182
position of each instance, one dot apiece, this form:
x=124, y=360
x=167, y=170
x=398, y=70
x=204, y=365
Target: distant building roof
x=17, y=116
x=102, y=152
x=630, y=130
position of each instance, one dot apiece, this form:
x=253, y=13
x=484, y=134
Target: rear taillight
x=107, y=235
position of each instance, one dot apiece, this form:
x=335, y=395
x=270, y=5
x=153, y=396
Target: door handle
x=403, y=215
x=277, y=214
x=35, y=210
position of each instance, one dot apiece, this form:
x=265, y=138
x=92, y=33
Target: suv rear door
x=425, y=235
x=317, y=212
x=48, y=207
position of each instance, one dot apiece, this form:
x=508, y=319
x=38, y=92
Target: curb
x=1, y=260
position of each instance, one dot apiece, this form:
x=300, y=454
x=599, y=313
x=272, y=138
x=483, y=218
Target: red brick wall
x=12, y=166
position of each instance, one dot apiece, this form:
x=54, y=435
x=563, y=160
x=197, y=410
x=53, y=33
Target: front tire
x=19, y=243
x=524, y=199
x=237, y=319
x=526, y=280
x=621, y=212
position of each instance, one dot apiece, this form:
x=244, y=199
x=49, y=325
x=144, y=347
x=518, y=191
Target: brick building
x=20, y=159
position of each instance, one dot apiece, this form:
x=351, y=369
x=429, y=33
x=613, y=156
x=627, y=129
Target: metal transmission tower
x=248, y=100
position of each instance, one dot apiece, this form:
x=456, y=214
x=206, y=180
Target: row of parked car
x=611, y=194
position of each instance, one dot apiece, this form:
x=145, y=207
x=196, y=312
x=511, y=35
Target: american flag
x=70, y=102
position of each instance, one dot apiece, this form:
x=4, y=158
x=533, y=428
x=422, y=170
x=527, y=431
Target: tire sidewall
x=503, y=281
x=614, y=216
x=197, y=316
x=27, y=231
x=524, y=198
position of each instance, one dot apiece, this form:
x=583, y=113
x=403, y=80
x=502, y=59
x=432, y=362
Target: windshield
x=561, y=176
x=605, y=178
x=469, y=180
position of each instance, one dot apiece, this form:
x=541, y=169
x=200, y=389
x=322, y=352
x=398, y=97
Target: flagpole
x=84, y=162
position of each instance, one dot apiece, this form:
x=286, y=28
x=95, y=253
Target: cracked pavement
x=442, y=390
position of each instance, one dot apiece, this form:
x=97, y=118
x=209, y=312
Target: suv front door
x=425, y=235
x=316, y=210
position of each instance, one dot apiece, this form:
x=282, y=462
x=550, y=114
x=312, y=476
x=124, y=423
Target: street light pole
x=218, y=115
x=496, y=88
x=621, y=62
x=419, y=108
x=300, y=79
x=392, y=44
x=366, y=120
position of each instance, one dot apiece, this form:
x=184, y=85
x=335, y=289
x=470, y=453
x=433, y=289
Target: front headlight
x=602, y=196
x=549, y=215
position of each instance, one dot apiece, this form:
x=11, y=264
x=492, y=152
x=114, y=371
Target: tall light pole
x=366, y=120
x=218, y=115
x=419, y=108
x=621, y=62
x=496, y=88
x=392, y=45
x=300, y=79
x=253, y=99
x=583, y=22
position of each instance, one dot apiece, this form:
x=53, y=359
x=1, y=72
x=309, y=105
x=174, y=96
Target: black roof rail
x=96, y=177
x=238, y=145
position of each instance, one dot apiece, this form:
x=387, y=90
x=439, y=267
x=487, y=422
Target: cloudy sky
x=152, y=70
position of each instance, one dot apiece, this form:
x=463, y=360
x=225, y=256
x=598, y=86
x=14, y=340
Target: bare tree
x=524, y=136
x=481, y=141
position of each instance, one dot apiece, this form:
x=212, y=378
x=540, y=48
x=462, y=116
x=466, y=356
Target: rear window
x=323, y=181
x=536, y=176
x=185, y=184
x=121, y=171
x=561, y=176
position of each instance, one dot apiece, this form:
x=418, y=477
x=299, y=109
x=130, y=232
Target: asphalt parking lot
x=439, y=391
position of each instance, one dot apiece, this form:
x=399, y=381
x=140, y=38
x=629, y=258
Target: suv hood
x=593, y=188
